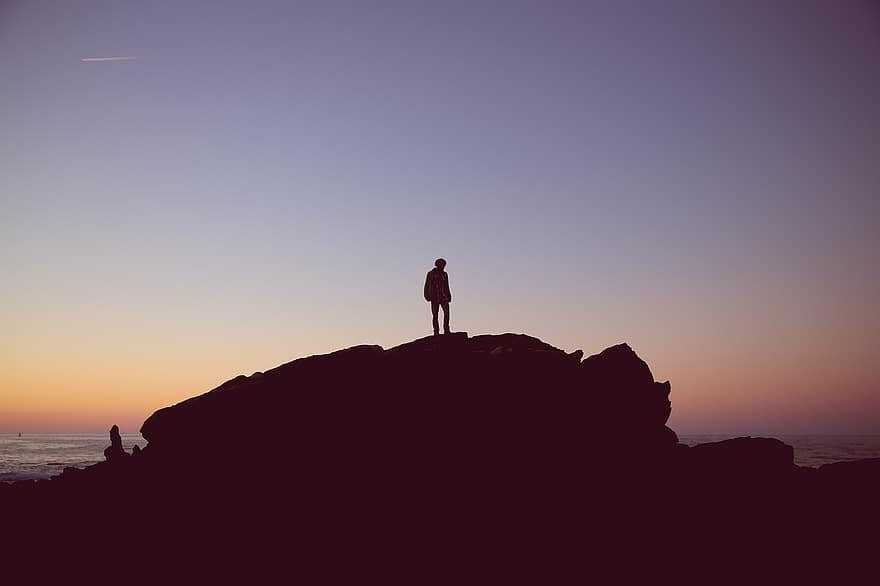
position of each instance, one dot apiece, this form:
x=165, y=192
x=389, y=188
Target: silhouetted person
x=437, y=292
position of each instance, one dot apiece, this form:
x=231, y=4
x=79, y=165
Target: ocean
x=34, y=456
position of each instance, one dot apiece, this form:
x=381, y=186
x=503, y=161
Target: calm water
x=45, y=455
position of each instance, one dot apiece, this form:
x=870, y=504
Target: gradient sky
x=269, y=180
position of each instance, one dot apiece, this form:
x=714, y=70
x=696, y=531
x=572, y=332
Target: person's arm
x=446, y=285
x=427, y=286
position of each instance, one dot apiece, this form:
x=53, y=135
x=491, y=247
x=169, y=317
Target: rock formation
x=496, y=448
x=115, y=451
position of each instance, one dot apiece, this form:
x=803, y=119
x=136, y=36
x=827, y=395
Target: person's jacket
x=437, y=286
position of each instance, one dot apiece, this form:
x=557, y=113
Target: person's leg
x=445, y=307
x=434, y=307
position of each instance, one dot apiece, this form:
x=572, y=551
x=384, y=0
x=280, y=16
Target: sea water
x=34, y=456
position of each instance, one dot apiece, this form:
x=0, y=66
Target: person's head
x=440, y=263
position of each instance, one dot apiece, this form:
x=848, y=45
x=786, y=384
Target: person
x=437, y=292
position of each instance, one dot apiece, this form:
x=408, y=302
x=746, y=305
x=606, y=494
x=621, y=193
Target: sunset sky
x=195, y=190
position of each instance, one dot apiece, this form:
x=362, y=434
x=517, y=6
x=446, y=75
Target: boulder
x=744, y=457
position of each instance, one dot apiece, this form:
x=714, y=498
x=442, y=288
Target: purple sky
x=273, y=179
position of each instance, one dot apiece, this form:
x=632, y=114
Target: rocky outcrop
x=743, y=456
x=448, y=397
x=115, y=451
x=441, y=452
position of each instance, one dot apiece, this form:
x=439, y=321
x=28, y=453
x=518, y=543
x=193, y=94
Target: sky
x=246, y=183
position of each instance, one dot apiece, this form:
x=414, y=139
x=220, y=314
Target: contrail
x=122, y=58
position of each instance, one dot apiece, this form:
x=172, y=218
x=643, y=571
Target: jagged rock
x=626, y=401
x=115, y=451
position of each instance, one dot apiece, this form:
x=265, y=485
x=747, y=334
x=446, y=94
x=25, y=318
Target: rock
x=441, y=449
x=865, y=472
x=625, y=399
x=746, y=457
x=115, y=451
x=451, y=389
x=617, y=367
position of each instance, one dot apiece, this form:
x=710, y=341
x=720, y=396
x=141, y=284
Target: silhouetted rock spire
x=115, y=451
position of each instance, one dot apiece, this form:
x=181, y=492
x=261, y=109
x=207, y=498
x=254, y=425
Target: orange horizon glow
x=86, y=393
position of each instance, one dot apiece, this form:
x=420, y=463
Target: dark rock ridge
x=434, y=397
x=444, y=449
